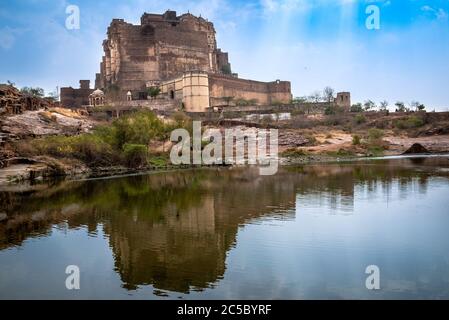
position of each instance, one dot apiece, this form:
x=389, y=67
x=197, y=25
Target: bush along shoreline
x=140, y=141
x=135, y=142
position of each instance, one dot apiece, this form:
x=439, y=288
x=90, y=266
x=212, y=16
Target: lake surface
x=306, y=233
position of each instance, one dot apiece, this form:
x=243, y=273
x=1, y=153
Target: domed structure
x=96, y=98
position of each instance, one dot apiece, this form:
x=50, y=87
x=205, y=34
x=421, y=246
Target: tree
x=417, y=106
x=414, y=105
x=421, y=107
x=369, y=105
x=356, y=107
x=299, y=100
x=328, y=94
x=315, y=96
x=10, y=83
x=226, y=69
x=383, y=105
x=54, y=96
x=331, y=110
x=400, y=106
x=153, y=92
x=35, y=92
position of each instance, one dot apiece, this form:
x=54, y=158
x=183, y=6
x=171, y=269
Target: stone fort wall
x=263, y=93
x=199, y=91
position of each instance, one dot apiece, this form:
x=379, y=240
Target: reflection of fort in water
x=173, y=230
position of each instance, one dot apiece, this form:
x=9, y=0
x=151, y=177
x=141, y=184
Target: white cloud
x=440, y=14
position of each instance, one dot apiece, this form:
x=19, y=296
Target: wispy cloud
x=438, y=13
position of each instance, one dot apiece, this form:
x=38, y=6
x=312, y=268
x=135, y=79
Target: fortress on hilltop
x=178, y=57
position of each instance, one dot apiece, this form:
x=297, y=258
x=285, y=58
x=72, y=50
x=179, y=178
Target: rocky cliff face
x=23, y=115
x=12, y=101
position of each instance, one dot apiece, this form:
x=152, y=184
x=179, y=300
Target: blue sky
x=311, y=43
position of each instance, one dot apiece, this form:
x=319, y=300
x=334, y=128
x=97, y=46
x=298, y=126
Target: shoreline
x=23, y=175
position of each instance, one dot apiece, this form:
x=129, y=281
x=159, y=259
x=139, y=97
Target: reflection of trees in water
x=170, y=230
x=173, y=230
x=334, y=185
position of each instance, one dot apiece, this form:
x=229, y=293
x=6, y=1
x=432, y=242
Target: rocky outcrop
x=38, y=168
x=53, y=121
x=292, y=139
x=12, y=101
x=416, y=149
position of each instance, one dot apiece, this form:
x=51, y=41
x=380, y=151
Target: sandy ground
x=431, y=143
x=333, y=141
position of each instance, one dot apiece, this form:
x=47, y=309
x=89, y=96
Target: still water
x=306, y=233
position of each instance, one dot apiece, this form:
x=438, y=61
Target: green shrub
x=409, y=123
x=359, y=119
x=374, y=145
x=375, y=150
x=182, y=120
x=294, y=153
x=356, y=140
x=347, y=128
x=158, y=161
x=356, y=108
x=332, y=110
x=88, y=148
x=136, y=155
x=312, y=140
x=57, y=146
x=298, y=112
x=242, y=102
x=276, y=103
x=226, y=69
x=335, y=120
x=153, y=92
x=340, y=153
x=92, y=150
x=375, y=134
x=123, y=142
x=381, y=124
x=137, y=128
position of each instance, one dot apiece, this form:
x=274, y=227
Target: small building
x=343, y=100
x=96, y=98
x=75, y=98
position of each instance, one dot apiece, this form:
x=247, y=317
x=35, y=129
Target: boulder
x=416, y=149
